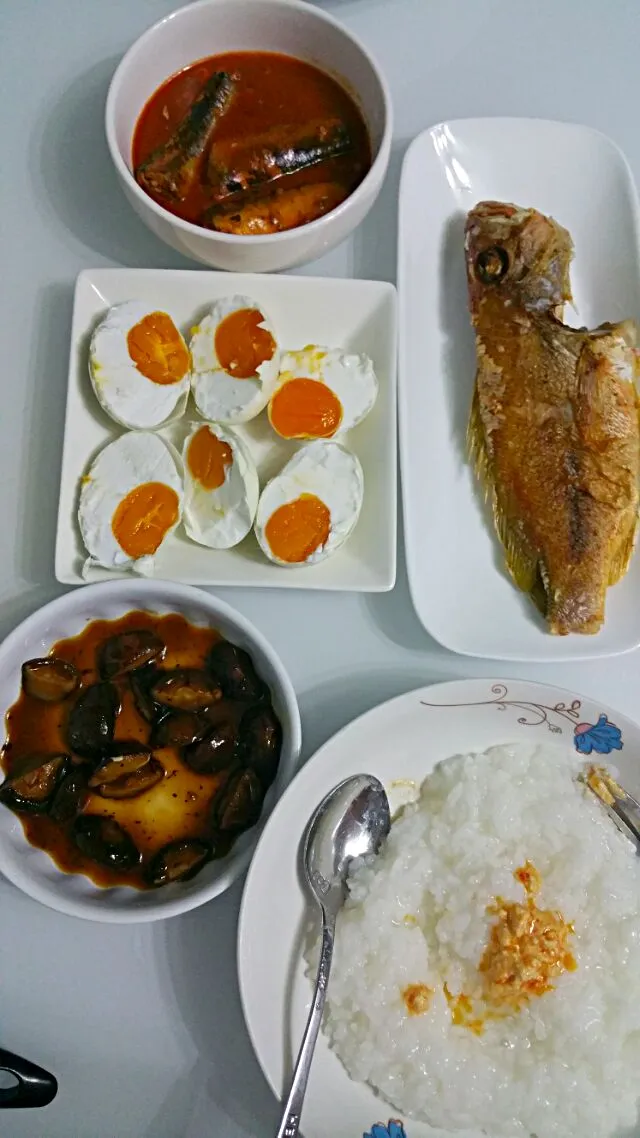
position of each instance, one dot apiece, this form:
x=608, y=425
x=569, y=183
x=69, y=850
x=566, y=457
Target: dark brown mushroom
x=129, y=651
x=238, y=805
x=185, y=689
x=178, y=861
x=261, y=742
x=50, y=679
x=234, y=671
x=134, y=784
x=33, y=782
x=71, y=794
x=215, y=752
x=179, y=729
x=104, y=841
x=92, y=720
x=141, y=682
x=221, y=711
x=123, y=757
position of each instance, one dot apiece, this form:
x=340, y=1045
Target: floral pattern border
x=601, y=737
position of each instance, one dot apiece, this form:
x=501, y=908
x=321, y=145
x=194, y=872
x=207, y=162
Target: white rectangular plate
x=460, y=588
x=359, y=316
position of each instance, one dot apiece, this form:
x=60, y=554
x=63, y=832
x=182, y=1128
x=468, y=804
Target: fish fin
x=523, y=565
x=477, y=447
x=538, y=592
x=622, y=556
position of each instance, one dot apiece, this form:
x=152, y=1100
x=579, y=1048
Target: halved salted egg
x=140, y=366
x=130, y=501
x=321, y=392
x=235, y=361
x=310, y=508
x=221, y=486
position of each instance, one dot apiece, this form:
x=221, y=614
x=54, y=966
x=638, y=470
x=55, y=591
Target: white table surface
x=143, y=1025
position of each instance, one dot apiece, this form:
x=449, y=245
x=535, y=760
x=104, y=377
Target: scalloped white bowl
x=31, y=869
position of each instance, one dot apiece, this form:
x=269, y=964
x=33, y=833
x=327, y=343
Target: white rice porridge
x=418, y=924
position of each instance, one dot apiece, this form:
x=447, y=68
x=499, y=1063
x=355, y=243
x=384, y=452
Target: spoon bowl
x=350, y=822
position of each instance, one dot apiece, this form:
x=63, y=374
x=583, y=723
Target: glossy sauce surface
x=271, y=90
x=179, y=806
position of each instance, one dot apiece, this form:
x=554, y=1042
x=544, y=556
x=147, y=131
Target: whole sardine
x=554, y=430
x=170, y=171
x=275, y=209
x=237, y=167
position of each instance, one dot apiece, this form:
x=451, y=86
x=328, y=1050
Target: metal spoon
x=351, y=821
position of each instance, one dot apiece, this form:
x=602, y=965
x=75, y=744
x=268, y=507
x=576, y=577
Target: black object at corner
x=35, y=1086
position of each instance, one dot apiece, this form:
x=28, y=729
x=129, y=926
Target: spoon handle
x=293, y=1107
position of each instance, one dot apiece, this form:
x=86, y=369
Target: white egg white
x=330, y=472
x=219, y=396
x=128, y=396
x=349, y=376
x=222, y=517
x=133, y=459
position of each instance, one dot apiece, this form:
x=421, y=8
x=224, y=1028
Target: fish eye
x=492, y=264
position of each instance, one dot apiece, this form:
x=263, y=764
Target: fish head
x=517, y=257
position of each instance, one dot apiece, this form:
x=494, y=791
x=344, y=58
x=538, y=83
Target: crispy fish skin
x=276, y=210
x=554, y=431
x=171, y=170
x=285, y=150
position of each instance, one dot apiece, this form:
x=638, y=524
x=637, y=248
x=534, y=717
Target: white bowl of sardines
x=149, y=730
x=252, y=135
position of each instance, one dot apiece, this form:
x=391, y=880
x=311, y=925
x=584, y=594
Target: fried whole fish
x=172, y=169
x=554, y=431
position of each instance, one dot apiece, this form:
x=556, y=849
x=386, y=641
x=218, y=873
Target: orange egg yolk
x=241, y=345
x=142, y=519
x=208, y=458
x=294, y=531
x=157, y=349
x=417, y=998
x=305, y=409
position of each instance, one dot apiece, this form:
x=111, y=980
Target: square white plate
x=460, y=588
x=359, y=316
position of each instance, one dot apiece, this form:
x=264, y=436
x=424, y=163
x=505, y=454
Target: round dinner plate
x=399, y=742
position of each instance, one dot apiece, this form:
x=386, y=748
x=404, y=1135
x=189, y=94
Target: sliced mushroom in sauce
x=33, y=782
x=105, y=842
x=123, y=758
x=135, y=709
x=179, y=729
x=50, y=679
x=239, y=803
x=261, y=742
x=128, y=651
x=141, y=682
x=215, y=752
x=92, y=720
x=178, y=861
x=234, y=671
x=185, y=689
x=71, y=794
x=134, y=784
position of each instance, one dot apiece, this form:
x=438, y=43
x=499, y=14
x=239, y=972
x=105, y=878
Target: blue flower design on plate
x=601, y=737
x=394, y=1129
